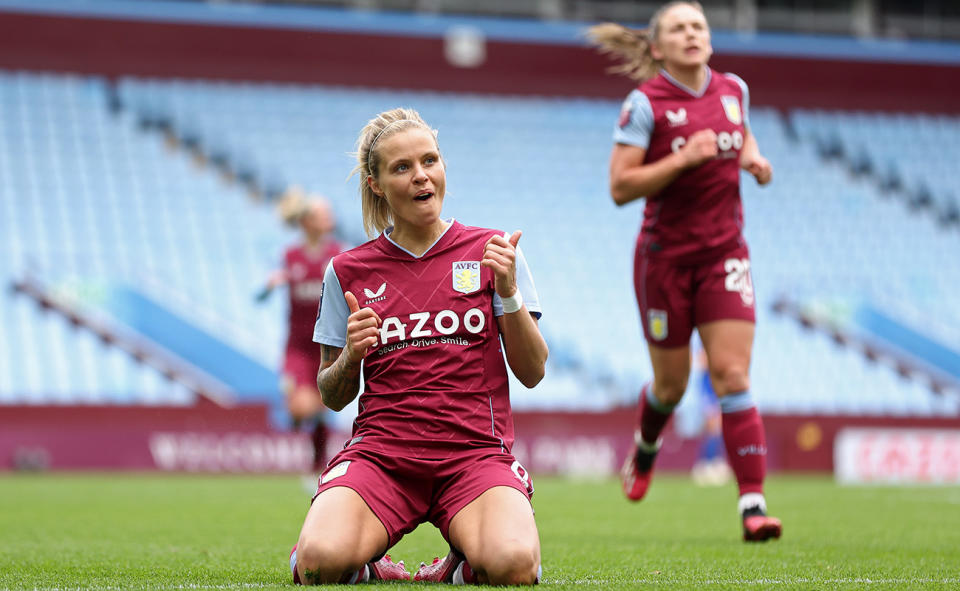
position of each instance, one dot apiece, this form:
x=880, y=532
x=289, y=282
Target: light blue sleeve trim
x=331, y=326
x=639, y=128
x=736, y=402
x=746, y=97
x=527, y=289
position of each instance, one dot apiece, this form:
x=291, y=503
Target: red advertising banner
x=897, y=456
x=204, y=437
x=211, y=438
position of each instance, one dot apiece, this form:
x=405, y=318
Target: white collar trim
x=684, y=87
x=389, y=229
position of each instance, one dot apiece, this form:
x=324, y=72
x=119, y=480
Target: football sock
x=652, y=415
x=752, y=504
x=463, y=574
x=293, y=566
x=361, y=576
x=744, y=439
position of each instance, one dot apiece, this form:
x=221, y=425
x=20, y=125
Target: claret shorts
x=674, y=297
x=405, y=492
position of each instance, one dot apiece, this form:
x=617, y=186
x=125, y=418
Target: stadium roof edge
x=515, y=30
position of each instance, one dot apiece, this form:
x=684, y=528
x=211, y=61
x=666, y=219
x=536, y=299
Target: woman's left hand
x=500, y=255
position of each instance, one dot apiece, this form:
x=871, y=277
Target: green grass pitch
x=123, y=531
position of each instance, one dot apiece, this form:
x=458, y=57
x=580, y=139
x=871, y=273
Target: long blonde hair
x=632, y=46
x=376, y=212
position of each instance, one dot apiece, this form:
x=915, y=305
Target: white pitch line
x=146, y=587
x=594, y=582
x=800, y=581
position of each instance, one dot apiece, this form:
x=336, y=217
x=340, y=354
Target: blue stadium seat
x=88, y=195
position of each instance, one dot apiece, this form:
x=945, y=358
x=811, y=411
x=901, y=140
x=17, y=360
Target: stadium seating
x=91, y=197
x=89, y=201
x=919, y=151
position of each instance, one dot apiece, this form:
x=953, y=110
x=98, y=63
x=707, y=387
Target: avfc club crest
x=466, y=276
x=657, y=324
x=731, y=107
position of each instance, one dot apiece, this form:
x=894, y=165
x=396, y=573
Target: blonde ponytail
x=632, y=46
x=376, y=212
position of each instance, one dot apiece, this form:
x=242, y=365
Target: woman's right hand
x=363, y=329
x=701, y=146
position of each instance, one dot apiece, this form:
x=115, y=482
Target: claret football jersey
x=701, y=209
x=436, y=381
x=305, y=269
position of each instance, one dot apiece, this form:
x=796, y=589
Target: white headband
x=376, y=139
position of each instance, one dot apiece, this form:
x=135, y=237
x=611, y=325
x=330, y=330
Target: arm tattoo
x=338, y=379
x=328, y=355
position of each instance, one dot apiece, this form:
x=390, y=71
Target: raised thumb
x=351, y=302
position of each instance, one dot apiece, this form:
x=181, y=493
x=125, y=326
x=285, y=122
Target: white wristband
x=513, y=303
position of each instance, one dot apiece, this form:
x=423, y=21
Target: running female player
x=303, y=266
x=681, y=141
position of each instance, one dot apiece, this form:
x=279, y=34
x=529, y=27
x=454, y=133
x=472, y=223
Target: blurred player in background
x=681, y=141
x=303, y=267
x=711, y=467
x=425, y=312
